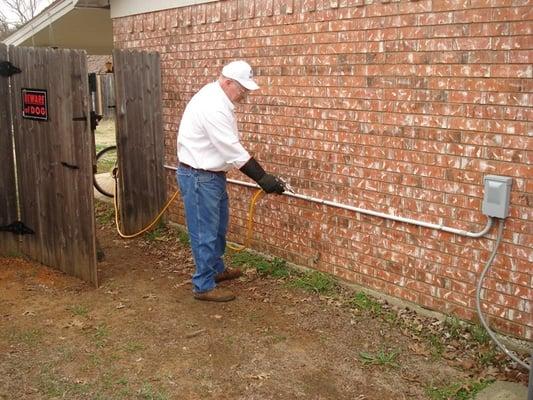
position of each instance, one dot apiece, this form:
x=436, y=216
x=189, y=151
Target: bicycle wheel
x=106, y=163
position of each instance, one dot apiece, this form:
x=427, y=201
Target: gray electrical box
x=496, y=195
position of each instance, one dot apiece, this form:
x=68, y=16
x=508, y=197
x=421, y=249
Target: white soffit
x=124, y=8
x=69, y=24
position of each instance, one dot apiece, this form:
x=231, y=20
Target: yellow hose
x=146, y=228
x=250, y=221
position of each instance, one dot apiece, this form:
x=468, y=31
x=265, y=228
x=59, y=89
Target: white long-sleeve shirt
x=208, y=137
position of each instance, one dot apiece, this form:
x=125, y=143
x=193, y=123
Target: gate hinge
x=18, y=228
x=7, y=69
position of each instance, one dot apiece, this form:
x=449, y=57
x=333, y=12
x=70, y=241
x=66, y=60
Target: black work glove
x=268, y=182
x=271, y=184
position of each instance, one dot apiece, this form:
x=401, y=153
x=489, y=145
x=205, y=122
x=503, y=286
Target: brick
x=520, y=28
x=308, y=5
x=472, y=16
x=415, y=7
x=454, y=298
x=186, y=16
x=509, y=43
x=441, y=18
x=264, y=8
x=149, y=22
x=283, y=7
x=520, y=317
x=490, y=29
x=512, y=13
x=512, y=71
x=507, y=326
x=445, y=5
x=213, y=12
x=246, y=9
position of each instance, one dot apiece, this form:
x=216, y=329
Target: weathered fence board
x=54, y=161
x=142, y=188
x=105, y=95
x=8, y=190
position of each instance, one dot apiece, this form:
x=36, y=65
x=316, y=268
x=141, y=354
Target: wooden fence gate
x=140, y=144
x=46, y=159
x=46, y=153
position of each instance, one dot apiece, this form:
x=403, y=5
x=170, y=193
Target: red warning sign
x=35, y=104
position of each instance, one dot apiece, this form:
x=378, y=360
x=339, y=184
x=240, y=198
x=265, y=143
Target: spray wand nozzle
x=286, y=185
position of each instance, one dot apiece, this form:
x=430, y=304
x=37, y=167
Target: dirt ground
x=141, y=335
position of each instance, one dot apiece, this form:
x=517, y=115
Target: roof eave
x=41, y=21
x=48, y=16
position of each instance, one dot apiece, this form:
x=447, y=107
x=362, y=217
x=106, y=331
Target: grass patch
x=479, y=334
x=487, y=357
x=106, y=387
x=133, y=347
x=312, y=281
x=13, y=254
x=56, y=387
x=183, y=236
x=79, y=310
x=105, y=213
x=105, y=134
x=390, y=317
x=101, y=334
x=364, y=302
x=100, y=147
x=156, y=234
x=436, y=346
x=148, y=392
x=28, y=337
x=276, y=267
x=277, y=338
x=381, y=357
x=94, y=360
x=53, y=385
x=107, y=161
x=458, y=391
x=454, y=327
x=316, y=282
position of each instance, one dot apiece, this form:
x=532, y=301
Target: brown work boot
x=227, y=274
x=217, y=294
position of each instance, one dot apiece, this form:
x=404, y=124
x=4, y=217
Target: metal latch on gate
x=18, y=228
x=7, y=69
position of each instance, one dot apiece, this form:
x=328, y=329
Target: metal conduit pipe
x=411, y=221
x=479, y=286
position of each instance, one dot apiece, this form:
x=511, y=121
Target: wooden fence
x=53, y=145
x=142, y=186
x=105, y=95
x=46, y=151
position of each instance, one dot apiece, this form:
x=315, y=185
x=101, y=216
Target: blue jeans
x=207, y=213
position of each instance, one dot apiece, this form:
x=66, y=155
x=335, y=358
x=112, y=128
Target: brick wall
x=398, y=106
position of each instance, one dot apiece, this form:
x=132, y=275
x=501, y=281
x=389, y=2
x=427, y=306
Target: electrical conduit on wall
x=411, y=221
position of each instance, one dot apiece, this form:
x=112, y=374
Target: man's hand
x=271, y=184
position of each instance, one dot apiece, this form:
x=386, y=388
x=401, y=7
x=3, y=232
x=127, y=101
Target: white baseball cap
x=241, y=72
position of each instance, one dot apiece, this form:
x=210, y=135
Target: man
x=208, y=147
